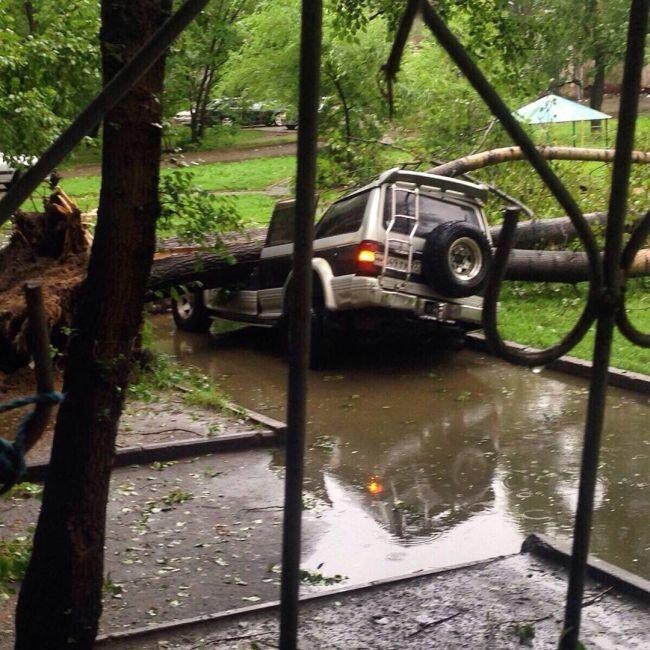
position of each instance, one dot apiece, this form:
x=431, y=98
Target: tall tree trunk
x=598, y=87
x=60, y=601
x=29, y=14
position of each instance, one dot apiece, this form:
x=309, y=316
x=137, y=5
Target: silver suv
x=407, y=247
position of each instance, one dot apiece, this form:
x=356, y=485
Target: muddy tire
x=322, y=348
x=456, y=259
x=190, y=313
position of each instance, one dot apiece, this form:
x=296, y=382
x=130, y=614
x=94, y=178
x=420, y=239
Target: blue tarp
x=552, y=108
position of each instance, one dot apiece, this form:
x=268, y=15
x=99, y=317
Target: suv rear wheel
x=456, y=259
x=190, y=313
x=322, y=349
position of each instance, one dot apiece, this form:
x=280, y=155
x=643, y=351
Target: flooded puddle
x=420, y=461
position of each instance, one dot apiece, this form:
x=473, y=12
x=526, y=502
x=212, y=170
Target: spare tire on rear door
x=456, y=259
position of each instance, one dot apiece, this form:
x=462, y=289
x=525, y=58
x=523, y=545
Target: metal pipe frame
x=605, y=304
x=300, y=317
x=503, y=113
x=610, y=305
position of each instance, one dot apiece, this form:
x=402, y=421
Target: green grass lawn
x=254, y=174
x=220, y=138
x=254, y=210
x=538, y=315
x=562, y=134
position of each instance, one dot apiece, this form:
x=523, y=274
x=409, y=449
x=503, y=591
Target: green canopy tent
x=553, y=109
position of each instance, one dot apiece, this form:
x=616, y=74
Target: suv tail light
x=368, y=259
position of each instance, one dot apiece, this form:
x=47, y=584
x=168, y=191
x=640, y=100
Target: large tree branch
x=508, y=154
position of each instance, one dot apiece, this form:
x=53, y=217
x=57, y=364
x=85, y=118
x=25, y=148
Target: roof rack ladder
x=399, y=243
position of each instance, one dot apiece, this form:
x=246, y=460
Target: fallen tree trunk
x=539, y=233
x=508, y=154
x=209, y=268
x=562, y=266
x=212, y=269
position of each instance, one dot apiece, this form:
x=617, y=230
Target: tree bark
x=29, y=14
x=216, y=270
x=231, y=266
x=507, y=154
x=539, y=233
x=562, y=266
x=60, y=601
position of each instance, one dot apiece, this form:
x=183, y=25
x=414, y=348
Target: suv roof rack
x=442, y=183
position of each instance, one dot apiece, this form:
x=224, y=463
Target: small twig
x=172, y=430
x=263, y=508
x=486, y=133
x=228, y=638
x=526, y=620
x=424, y=626
x=596, y=598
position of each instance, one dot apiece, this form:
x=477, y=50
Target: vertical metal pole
x=310, y=52
x=39, y=343
x=610, y=303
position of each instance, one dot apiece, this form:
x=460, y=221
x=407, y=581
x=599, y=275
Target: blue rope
x=12, y=454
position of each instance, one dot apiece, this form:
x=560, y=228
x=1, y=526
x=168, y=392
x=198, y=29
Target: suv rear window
x=433, y=212
x=343, y=217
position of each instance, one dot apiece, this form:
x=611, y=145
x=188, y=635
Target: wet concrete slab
x=502, y=603
x=183, y=538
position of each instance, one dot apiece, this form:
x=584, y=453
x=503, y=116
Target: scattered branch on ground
x=597, y=597
x=425, y=626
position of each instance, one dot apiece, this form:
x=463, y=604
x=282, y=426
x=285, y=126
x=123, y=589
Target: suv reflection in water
x=418, y=480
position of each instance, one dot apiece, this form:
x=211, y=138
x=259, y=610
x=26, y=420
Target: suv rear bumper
x=358, y=292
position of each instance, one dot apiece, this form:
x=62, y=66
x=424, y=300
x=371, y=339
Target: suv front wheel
x=456, y=259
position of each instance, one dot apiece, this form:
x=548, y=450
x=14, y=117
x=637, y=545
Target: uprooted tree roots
x=53, y=247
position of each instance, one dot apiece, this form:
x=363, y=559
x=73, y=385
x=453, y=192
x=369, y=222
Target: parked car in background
x=408, y=248
x=234, y=110
x=9, y=169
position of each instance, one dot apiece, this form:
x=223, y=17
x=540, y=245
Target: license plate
x=401, y=264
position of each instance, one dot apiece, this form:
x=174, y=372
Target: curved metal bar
x=629, y=331
x=637, y=238
x=491, y=300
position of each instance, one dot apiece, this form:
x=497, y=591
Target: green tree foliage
x=192, y=213
x=582, y=33
x=49, y=68
x=353, y=111
x=198, y=61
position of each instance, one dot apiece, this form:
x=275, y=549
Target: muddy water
x=425, y=460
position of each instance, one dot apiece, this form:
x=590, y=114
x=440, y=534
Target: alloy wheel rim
x=465, y=258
